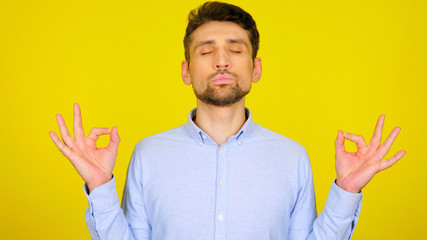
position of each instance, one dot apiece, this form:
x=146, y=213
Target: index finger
x=78, y=127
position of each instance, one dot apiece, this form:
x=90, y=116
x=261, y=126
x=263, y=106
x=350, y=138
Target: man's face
x=221, y=67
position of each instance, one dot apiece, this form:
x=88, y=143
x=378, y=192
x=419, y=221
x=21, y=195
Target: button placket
x=221, y=194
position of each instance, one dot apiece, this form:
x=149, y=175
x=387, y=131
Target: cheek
x=199, y=64
x=198, y=78
x=246, y=70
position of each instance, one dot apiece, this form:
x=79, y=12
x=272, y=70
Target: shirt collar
x=199, y=136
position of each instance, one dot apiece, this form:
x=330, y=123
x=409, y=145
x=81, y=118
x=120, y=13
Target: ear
x=185, y=73
x=257, y=70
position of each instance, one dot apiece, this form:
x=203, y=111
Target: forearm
x=104, y=216
x=339, y=217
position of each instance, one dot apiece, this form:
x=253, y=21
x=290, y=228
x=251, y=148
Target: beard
x=221, y=95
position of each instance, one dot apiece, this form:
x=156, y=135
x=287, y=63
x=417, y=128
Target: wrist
x=346, y=187
x=93, y=185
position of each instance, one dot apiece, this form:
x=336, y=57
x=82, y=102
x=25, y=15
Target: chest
x=230, y=185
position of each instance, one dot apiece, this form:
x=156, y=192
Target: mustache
x=222, y=71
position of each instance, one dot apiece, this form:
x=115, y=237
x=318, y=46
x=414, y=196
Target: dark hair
x=218, y=11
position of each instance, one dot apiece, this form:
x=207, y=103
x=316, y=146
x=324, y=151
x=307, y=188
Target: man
x=220, y=176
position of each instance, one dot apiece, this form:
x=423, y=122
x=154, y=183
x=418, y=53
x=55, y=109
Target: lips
x=223, y=79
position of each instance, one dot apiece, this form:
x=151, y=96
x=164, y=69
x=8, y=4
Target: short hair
x=219, y=11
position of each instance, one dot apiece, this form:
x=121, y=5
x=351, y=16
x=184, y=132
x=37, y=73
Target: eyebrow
x=213, y=42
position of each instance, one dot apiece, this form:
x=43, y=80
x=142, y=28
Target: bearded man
x=220, y=176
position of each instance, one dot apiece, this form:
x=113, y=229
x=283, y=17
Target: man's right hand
x=95, y=165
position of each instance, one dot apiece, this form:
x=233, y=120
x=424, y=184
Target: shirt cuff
x=341, y=202
x=103, y=197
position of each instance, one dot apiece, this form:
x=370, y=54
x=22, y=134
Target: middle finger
x=385, y=147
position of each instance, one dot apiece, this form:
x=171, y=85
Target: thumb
x=339, y=143
x=114, y=139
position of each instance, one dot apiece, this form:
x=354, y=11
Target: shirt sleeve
x=107, y=220
x=338, y=218
x=339, y=215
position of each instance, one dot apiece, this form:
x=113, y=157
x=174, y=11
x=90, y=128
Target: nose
x=222, y=61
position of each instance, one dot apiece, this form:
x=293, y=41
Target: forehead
x=219, y=31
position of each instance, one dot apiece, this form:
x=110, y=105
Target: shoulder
x=164, y=139
x=273, y=139
x=282, y=152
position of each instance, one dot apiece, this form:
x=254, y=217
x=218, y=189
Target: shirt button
x=221, y=182
x=239, y=142
x=221, y=149
x=204, y=137
x=220, y=217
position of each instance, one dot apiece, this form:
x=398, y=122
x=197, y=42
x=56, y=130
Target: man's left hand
x=356, y=169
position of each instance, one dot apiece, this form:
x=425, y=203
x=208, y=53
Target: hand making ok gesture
x=95, y=165
x=356, y=169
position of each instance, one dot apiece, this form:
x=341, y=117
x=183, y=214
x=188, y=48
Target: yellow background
x=328, y=65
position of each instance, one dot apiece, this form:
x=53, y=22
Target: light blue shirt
x=181, y=185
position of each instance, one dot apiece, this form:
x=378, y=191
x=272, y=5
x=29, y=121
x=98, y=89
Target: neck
x=220, y=123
